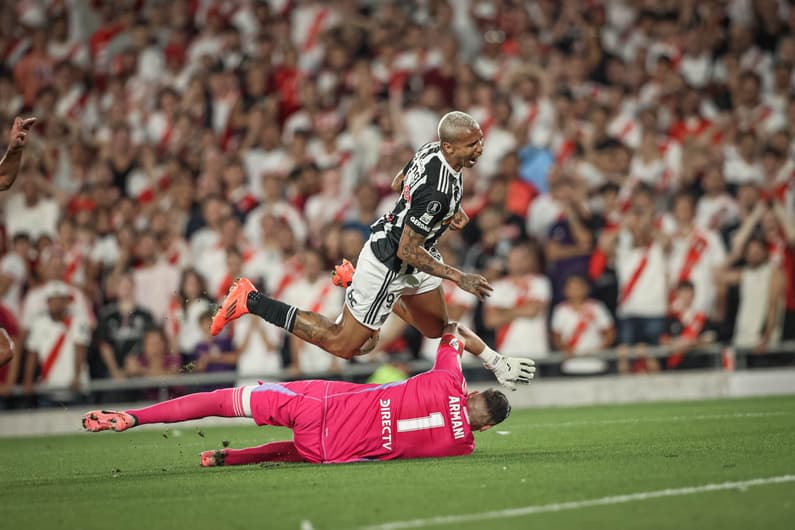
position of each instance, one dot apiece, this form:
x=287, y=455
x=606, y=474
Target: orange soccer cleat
x=234, y=305
x=343, y=274
x=106, y=420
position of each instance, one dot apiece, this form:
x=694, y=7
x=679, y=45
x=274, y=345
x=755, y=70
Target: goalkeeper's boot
x=213, y=458
x=106, y=420
x=234, y=305
x=343, y=274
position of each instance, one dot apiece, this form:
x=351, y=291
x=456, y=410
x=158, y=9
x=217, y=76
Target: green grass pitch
x=152, y=479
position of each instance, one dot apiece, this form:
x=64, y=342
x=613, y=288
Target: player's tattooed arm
x=411, y=251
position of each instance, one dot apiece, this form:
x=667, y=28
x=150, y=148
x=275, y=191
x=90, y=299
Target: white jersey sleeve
x=603, y=319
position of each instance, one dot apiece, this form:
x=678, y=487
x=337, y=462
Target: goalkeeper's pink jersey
x=424, y=416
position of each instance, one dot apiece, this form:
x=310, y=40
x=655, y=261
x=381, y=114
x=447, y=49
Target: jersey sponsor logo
x=455, y=416
x=420, y=224
x=434, y=207
x=406, y=192
x=426, y=218
x=386, y=424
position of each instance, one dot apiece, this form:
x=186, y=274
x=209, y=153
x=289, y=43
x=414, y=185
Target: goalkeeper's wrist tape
x=489, y=356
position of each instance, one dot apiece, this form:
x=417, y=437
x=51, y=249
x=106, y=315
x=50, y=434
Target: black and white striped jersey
x=430, y=197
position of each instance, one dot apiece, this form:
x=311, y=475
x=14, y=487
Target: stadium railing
x=719, y=356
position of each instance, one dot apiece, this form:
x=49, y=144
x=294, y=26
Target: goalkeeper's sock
x=227, y=403
x=274, y=311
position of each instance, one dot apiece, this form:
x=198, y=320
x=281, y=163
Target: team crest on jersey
x=456, y=193
x=434, y=207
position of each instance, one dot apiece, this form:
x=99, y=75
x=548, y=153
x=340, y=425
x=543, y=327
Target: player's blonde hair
x=454, y=124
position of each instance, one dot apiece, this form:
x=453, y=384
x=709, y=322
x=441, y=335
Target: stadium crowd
x=637, y=184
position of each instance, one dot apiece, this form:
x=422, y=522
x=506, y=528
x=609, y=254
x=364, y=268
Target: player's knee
x=341, y=346
x=347, y=354
x=345, y=350
x=342, y=352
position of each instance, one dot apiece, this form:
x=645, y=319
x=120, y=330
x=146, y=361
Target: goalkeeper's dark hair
x=497, y=406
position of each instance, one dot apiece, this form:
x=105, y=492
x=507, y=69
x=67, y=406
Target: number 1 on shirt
x=433, y=420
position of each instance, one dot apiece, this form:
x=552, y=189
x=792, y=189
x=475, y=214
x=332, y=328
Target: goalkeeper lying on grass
x=429, y=415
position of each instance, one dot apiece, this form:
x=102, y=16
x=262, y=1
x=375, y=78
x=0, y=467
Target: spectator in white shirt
x=273, y=203
x=212, y=262
x=51, y=267
x=761, y=285
x=156, y=280
x=213, y=213
x=14, y=273
x=517, y=309
x=419, y=121
x=741, y=166
x=533, y=113
x=186, y=307
x=696, y=253
x=268, y=156
x=581, y=325
x=328, y=205
x=781, y=91
x=716, y=209
x=57, y=346
x=29, y=211
x=638, y=251
x=313, y=289
x=696, y=65
x=499, y=138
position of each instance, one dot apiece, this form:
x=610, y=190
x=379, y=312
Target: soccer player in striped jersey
x=399, y=268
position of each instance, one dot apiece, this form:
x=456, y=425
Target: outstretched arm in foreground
x=270, y=452
x=507, y=370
